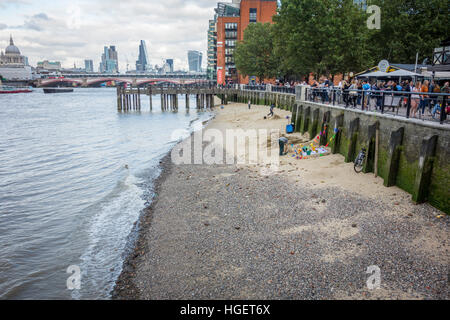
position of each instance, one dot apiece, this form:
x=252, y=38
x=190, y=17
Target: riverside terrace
x=413, y=154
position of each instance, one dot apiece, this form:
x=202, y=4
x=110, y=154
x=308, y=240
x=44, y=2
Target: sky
x=71, y=31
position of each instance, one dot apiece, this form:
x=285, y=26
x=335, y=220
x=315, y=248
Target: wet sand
x=308, y=231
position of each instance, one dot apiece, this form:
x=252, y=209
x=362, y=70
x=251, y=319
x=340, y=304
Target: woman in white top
x=353, y=93
x=415, y=98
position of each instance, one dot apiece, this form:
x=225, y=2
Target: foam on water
x=108, y=233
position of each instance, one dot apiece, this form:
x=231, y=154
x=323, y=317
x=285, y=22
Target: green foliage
x=331, y=36
x=321, y=36
x=254, y=56
x=408, y=27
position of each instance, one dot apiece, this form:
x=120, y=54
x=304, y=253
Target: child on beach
x=272, y=106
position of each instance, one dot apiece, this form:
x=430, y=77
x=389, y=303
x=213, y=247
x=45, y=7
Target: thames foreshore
x=310, y=231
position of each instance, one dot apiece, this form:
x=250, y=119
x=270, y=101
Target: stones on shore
x=276, y=238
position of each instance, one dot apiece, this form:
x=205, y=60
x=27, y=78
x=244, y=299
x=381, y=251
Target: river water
x=75, y=175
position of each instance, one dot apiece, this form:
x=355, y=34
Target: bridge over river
x=91, y=80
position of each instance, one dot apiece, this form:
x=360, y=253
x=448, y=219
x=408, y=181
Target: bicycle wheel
x=358, y=166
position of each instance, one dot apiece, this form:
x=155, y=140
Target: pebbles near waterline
x=226, y=233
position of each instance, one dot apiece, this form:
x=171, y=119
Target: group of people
x=420, y=100
x=351, y=93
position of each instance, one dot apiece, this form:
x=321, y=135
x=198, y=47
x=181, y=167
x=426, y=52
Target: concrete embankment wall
x=413, y=155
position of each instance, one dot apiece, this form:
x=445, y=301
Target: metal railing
x=283, y=89
x=203, y=85
x=425, y=106
x=261, y=87
x=227, y=86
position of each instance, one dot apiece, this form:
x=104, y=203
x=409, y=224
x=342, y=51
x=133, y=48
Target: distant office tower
x=211, y=70
x=110, y=62
x=169, y=63
x=195, y=61
x=89, y=65
x=142, y=64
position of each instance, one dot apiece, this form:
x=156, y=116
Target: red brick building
x=232, y=19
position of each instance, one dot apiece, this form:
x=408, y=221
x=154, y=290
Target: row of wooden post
x=128, y=100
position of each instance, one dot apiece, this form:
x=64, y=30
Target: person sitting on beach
x=283, y=141
x=272, y=106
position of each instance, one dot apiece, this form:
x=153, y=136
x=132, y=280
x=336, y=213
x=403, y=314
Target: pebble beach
x=309, y=231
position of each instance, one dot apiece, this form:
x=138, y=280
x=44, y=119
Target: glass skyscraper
x=110, y=62
x=142, y=64
x=89, y=65
x=169, y=63
x=195, y=61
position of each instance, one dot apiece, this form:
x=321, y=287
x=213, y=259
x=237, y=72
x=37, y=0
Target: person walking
x=366, y=88
x=249, y=104
x=272, y=106
x=424, y=97
x=345, y=95
x=438, y=101
x=353, y=91
x=359, y=88
x=375, y=96
x=415, y=98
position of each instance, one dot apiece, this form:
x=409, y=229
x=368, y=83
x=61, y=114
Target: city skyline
x=72, y=32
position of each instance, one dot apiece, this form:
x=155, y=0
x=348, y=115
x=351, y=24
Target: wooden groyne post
x=129, y=99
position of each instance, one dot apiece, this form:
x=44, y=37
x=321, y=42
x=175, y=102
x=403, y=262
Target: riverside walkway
x=397, y=104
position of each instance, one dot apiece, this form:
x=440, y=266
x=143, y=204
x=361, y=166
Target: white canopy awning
x=403, y=73
x=375, y=74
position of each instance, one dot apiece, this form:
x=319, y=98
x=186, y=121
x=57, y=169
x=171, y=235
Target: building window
x=231, y=34
x=230, y=26
x=229, y=52
x=229, y=60
x=253, y=15
x=230, y=43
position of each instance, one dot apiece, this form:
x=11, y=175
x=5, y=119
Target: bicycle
x=359, y=161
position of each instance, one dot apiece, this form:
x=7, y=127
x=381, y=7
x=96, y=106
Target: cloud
x=6, y=3
x=72, y=31
x=35, y=22
x=41, y=15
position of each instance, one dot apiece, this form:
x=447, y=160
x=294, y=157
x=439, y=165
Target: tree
x=327, y=37
x=254, y=56
x=321, y=36
x=408, y=27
